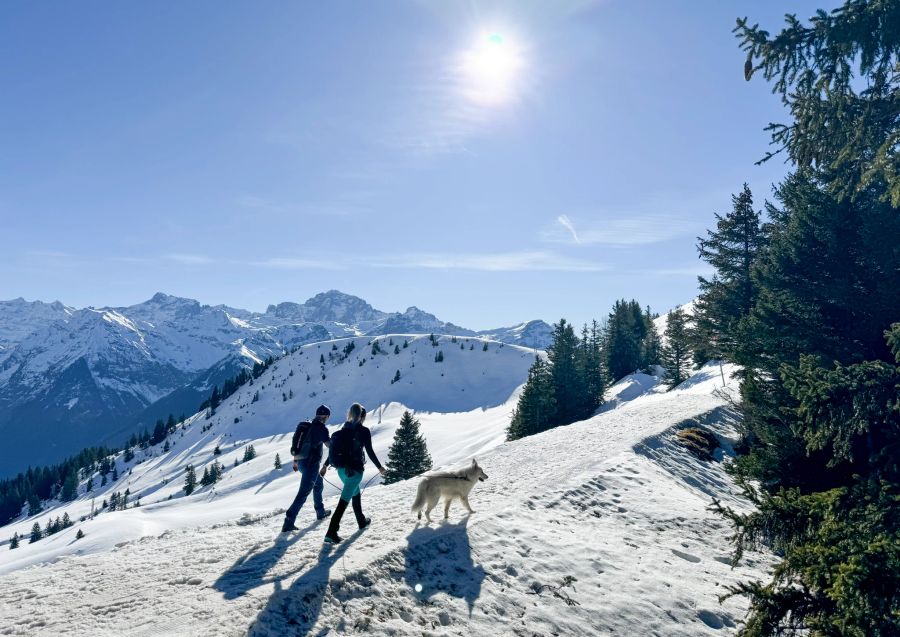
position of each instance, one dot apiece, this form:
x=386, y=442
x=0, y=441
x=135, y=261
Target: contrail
x=566, y=223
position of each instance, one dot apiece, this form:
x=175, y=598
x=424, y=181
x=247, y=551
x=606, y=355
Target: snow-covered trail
x=580, y=501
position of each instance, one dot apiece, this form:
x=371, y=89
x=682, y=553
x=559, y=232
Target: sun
x=491, y=70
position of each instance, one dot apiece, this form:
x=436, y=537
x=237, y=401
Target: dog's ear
x=474, y=462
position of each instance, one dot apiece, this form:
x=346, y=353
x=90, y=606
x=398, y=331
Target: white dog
x=449, y=485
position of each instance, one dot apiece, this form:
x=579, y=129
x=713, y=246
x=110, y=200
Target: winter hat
x=323, y=411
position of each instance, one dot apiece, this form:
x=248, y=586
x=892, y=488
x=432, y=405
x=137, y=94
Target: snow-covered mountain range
x=70, y=377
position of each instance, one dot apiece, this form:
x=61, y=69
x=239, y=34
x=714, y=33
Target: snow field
x=610, y=501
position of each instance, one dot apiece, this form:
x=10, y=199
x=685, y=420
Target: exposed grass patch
x=699, y=442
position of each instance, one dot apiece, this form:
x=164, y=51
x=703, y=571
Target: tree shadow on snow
x=249, y=571
x=439, y=560
x=295, y=610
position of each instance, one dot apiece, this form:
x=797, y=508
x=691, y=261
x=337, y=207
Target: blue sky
x=489, y=162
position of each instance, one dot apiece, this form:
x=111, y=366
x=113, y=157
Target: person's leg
x=318, y=485
x=361, y=520
x=351, y=486
x=306, y=485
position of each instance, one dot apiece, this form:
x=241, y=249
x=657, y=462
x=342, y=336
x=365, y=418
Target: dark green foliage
x=439, y=357
x=14, y=541
x=214, y=400
x=568, y=383
x=396, y=377
x=396, y=349
x=566, y=388
x=79, y=535
x=249, y=453
x=36, y=533
x=349, y=347
x=536, y=409
x=838, y=75
x=676, y=355
x=408, y=455
x=277, y=461
x=821, y=391
x=211, y=474
x=39, y=483
x=485, y=347
x=626, y=331
x=651, y=346
x=69, y=488
x=190, y=480
x=726, y=299
x=321, y=359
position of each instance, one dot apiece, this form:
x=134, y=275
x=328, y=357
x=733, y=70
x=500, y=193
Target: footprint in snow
x=686, y=556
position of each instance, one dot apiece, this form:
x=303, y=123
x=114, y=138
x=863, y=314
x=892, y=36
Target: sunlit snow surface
x=611, y=501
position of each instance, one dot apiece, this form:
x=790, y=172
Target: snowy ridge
x=608, y=501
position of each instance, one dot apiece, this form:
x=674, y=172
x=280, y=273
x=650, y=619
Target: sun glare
x=491, y=70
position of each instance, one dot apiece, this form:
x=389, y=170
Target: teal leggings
x=351, y=484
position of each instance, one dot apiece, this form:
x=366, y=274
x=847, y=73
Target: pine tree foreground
x=408, y=456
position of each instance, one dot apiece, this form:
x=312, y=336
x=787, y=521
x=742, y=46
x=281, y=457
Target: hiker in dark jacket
x=346, y=454
x=306, y=448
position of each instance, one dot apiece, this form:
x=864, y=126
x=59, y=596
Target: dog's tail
x=419, y=503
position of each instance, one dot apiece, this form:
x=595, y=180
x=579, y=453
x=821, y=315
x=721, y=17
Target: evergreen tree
x=408, y=455
x=396, y=349
x=79, y=535
x=726, y=300
x=820, y=392
x=205, y=481
x=90, y=484
x=396, y=377
x=35, y=533
x=70, y=488
x=651, y=347
x=625, y=334
x=277, y=461
x=190, y=480
x=249, y=453
x=536, y=409
x=214, y=400
x=676, y=355
x=66, y=521
x=568, y=386
x=439, y=357
x=14, y=541
x=34, y=504
x=590, y=369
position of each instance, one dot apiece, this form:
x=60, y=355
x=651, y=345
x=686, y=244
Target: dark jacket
x=363, y=438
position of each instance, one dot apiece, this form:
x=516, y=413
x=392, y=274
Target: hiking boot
x=324, y=515
x=287, y=528
x=331, y=535
x=333, y=539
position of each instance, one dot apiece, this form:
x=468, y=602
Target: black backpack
x=301, y=444
x=346, y=449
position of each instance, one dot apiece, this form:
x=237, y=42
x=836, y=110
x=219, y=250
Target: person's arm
x=327, y=443
x=368, y=443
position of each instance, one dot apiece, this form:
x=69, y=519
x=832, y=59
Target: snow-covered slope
x=611, y=502
x=73, y=378
x=19, y=318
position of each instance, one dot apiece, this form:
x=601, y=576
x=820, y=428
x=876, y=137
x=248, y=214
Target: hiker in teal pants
x=346, y=454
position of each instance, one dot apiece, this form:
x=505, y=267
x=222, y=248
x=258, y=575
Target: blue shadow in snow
x=249, y=571
x=439, y=560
